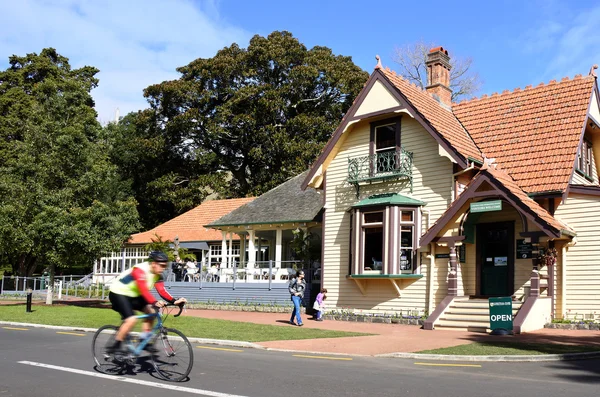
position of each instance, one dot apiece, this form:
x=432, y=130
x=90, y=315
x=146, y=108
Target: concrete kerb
x=436, y=357
x=219, y=342
x=499, y=358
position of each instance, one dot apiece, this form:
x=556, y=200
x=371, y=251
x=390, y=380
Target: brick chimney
x=438, y=75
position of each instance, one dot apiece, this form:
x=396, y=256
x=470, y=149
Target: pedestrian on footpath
x=319, y=305
x=296, y=288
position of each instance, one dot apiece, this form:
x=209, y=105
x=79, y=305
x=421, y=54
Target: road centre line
x=16, y=329
x=69, y=333
x=220, y=348
x=324, y=357
x=169, y=386
x=449, y=365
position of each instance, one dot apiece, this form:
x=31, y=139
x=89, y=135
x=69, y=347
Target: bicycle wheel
x=106, y=363
x=173, y=355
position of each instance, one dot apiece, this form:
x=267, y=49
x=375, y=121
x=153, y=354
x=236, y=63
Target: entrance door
x=495, y=248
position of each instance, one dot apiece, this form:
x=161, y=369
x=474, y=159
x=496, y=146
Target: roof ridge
x=527, y=88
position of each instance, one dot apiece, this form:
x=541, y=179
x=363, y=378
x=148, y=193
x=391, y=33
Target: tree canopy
x=241, y=122
x=412, y=58
x=63, y=201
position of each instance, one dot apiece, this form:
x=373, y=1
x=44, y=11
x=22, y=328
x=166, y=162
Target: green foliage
x=165, y=180
x=172, y=249
x=237, y=124
x=306, y=246
x=63, y=200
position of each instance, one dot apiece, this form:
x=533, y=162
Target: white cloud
x=134, y=43
x=567, y=43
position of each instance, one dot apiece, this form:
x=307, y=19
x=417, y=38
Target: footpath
x=392, y=340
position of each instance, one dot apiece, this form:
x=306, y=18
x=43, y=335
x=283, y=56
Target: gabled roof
x=189, y=226
x=441, y=119
x=533, y=133
x=437, y=120
x=286, y=203
x=505, y=187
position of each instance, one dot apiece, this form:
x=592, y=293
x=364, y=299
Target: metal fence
x=266, y=289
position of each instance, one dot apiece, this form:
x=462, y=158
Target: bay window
x=384, y=238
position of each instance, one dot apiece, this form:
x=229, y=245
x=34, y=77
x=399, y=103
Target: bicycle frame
x=136, y=348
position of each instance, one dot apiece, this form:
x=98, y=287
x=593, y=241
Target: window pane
x=406, y=248
x=373, y=248
x=407, y=216
x=406, y=259
x=374, y=217
x=406, y=237
x=385, y=137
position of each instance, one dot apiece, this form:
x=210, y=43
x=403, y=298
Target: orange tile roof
x=533, y=133
x=440, y=118
x=189, y=226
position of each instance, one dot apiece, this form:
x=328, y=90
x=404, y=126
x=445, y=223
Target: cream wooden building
x=431, y=207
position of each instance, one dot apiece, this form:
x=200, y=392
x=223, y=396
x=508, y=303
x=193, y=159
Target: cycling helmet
x=158, y=256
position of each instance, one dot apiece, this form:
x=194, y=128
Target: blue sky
x=136, y=43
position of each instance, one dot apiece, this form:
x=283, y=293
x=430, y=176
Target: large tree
x=63, y=201
x=464, y=81
x=166, y=181
x=250, y=118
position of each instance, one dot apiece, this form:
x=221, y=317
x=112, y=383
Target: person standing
x=296, y=288
x=319, y=304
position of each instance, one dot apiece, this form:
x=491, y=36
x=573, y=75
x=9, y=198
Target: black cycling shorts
x=125, y=305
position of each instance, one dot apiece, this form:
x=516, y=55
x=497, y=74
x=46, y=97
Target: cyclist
x=131, y=291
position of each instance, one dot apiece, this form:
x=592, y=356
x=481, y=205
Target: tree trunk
x=50, y=285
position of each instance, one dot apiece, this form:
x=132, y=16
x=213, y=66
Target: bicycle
x=171, y=352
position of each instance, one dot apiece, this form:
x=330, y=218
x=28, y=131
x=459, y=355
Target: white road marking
x=167, y=386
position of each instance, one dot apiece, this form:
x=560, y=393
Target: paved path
x=391, y=338
x=386, y=338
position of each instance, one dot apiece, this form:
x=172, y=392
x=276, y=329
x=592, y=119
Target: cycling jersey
x=138, y=281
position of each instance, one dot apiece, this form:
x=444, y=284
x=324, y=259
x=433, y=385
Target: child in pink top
x=321, y=296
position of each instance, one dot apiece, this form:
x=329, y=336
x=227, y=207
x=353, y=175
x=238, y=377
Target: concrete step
x=474, y=318
x=469, y=315
x=463, y=326
x=472, y=311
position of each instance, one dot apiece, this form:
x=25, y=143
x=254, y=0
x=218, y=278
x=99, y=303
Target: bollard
x=29, y=293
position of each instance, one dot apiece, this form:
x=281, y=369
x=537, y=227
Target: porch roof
x=505, y=187
x=286, y=203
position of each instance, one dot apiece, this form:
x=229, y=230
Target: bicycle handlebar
x=180, y=305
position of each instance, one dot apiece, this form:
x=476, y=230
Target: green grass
x=191, y=326
x=510, y=348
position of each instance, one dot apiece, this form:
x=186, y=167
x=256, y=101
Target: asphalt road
x=46, y=362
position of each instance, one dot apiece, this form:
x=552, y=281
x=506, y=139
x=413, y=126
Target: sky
x=137, y=43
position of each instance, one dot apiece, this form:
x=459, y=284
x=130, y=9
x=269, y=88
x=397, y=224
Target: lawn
x=510, y=348
x=84, y=317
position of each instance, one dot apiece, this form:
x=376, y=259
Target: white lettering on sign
x=501, y=317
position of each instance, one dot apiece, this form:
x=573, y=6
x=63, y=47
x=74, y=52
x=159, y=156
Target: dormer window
x=385, y=136
x=584, y=159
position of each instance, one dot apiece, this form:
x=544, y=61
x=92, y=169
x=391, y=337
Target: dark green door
x=495, y=247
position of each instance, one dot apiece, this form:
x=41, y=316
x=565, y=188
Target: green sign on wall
x=501, y=317
x=486, y=206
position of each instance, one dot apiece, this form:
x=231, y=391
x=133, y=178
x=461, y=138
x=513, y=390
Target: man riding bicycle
x=131, y=291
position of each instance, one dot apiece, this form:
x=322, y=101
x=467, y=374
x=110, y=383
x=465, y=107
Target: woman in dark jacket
x=297, y=287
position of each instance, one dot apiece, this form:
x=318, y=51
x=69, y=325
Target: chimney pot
x=438, y=75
